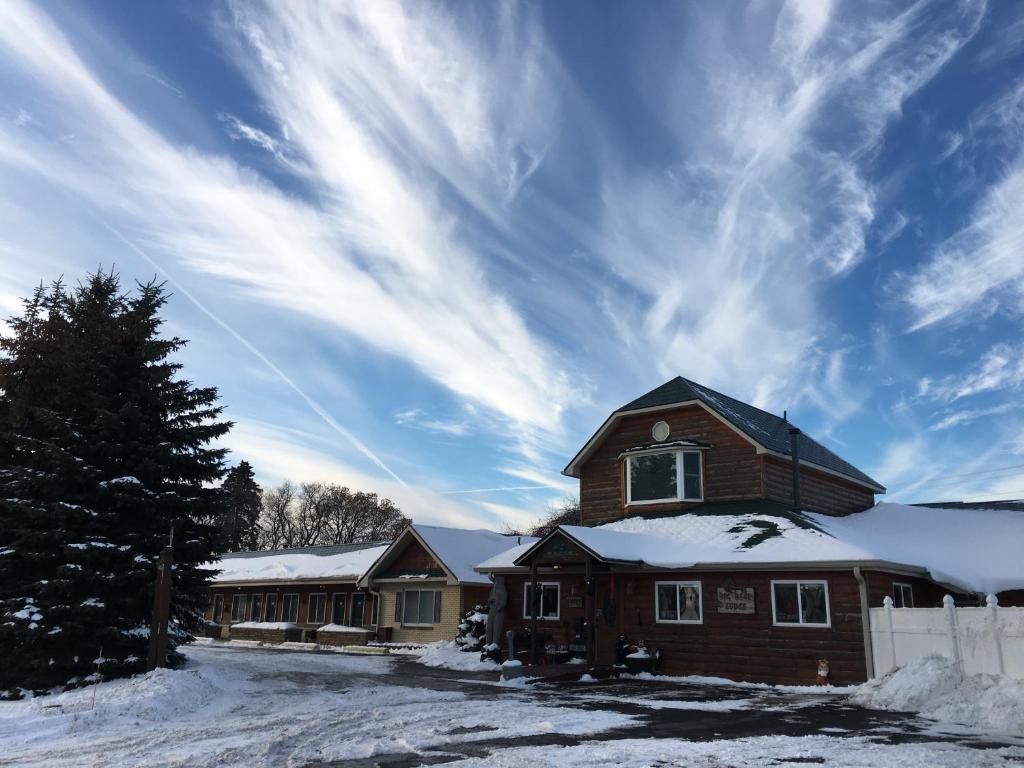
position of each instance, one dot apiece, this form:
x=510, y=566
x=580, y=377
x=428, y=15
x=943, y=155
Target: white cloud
x=726, y=254
x=1001, y=367
x=968, y=415
x=416, y=291
x=414, y=417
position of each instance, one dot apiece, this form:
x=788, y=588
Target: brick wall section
x=819, y=491
x=739, y=647
x=732, y=467
x=451, y=614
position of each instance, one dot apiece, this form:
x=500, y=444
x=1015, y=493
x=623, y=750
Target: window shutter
x=398, y=607
x=437, y=607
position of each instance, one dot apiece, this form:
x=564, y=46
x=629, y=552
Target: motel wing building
x=298, y=590
x=735, y=545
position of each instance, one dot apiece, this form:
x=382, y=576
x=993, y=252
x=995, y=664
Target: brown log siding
x=735, y=646
x=819, y=491
x=302, y=590
x=732, y=467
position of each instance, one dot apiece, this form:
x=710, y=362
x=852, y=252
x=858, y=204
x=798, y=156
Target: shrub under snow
x=936, y=688
x=449, y=655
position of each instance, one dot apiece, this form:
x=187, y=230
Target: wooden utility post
x=161, y=611
x=590, y=612
x=534, y=602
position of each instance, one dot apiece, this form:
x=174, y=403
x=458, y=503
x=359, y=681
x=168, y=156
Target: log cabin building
x=289, y=594
x=729, y=543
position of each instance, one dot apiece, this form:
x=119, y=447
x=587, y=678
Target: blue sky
x=426, y=249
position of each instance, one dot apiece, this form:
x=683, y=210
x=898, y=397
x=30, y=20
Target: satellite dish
x=660, y=431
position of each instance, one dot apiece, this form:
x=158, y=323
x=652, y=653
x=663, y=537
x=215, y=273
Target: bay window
x=664, y=476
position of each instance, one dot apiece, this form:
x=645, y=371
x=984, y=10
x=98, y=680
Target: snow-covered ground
x=234, y=706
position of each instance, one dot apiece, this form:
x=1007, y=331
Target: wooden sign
x=574, y=602
x=736, y=600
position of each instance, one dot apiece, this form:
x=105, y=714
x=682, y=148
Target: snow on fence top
x=306, y=563
x=976, y=550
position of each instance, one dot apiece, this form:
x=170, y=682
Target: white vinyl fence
x=989, y=639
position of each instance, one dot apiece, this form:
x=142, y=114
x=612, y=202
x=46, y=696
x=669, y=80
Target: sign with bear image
x=736, y=600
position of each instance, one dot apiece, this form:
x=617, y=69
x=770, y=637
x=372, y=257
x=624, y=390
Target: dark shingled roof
x=322, y=550
x=769, y=430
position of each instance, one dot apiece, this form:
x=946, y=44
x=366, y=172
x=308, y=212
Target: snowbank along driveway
x=255, y=707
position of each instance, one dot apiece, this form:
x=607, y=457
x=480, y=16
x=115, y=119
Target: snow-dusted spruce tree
x=472, y=629
x=103, y=449
x=243, y=500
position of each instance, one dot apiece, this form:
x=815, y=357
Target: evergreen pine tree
x=243, y=499
x=103, y=451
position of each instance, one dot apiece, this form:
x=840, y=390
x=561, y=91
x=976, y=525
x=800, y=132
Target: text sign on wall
x=574, y=602
x=736, y=600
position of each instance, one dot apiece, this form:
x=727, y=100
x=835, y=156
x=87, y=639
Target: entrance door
x=358, y=600
x=338, y=608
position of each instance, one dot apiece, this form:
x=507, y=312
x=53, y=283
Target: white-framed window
x=548, y=601
x=664, y=476
x=270, y=613
x=290, y=607
x=237, y=608
x=316, y=608
x=800, y=603
x=338, y=608
x=678, y=602
x=902, y=595
x=420, y=607
x=256, y=608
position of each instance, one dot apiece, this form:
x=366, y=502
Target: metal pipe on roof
x=794, y=450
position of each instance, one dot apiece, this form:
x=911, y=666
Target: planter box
x=338, y=635
x=267, y=632
x=638, y=665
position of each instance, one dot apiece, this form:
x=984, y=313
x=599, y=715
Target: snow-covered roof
x=460, y=549
x=974, y=550
x=340, y=562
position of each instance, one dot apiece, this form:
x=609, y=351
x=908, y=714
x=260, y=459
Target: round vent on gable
x=660, y=431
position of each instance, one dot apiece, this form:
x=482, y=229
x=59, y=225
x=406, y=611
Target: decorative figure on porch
x=823, y=670
x=496, y=603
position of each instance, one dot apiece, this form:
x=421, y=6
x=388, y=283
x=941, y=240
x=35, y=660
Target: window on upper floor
x=902, y=595
x=664, y=476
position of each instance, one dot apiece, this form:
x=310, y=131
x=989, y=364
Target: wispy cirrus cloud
x=770, y=197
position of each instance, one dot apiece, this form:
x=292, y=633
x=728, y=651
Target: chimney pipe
x=794, y=451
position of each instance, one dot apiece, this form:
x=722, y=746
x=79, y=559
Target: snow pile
x=935, y=687
x=344, y=629
x=447, y=655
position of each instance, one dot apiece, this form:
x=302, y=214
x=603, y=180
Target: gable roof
x=974, y=552
x=456, y=550
x=768, y=432
x=337, y=562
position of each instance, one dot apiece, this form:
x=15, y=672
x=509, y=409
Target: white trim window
x=678, y=602
x=902, y=595
x=549, y=600
x=800, y=603
x=663, y=476
x=420, y=607
x=316, y=608
x=256, y=607
x=237, y=608
x=290, y=607
x=270, y=608
x=218, y=608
